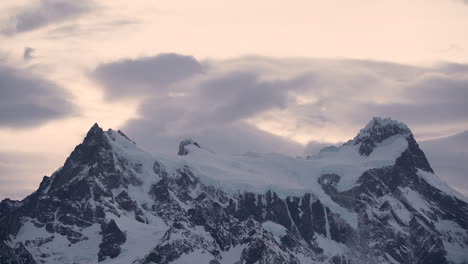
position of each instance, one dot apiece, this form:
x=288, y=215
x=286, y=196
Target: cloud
x=27, y=100
x=229, y=97
x=28, y=53
x=426, y=102
x=44, y=13
x=212, y=111
x=232, y=138
x=448, y=157
x=149, y=75
x=313, y=147
x=344, y=95
x=288, y=101
x=80, y=30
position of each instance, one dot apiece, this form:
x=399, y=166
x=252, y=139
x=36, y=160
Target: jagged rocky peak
x=183, y=150
x=95, y=135
x=95, y=148
x=378, y=130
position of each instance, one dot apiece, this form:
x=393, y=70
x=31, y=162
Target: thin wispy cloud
x=44, y=13
x=83, y=30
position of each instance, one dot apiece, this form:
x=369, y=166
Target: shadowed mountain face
x=374, y=199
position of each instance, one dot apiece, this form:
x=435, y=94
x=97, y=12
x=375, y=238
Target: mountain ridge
x=374, y=204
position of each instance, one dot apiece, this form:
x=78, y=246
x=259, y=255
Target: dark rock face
x=62, y=202
x=17, y=255
x=230, y=221
x=97, y=184
x=414, y=157
x=112, y=239
x=95, y=147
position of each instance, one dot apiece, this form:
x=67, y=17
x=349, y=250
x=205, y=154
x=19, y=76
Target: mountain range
x=374, y=199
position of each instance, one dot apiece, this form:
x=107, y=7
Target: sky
x=237, y=76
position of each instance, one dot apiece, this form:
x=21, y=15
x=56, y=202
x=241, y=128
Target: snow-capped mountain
x=375, y=199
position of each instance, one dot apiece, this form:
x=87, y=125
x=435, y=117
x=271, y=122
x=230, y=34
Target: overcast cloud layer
x=45, y=12
x=27, y=100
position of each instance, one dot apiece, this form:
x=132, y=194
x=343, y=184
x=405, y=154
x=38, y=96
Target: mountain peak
x=92, y=150
x=183, y=144
x=94, y=134
x=378, y=130
x=95, y=128
x=379, y=123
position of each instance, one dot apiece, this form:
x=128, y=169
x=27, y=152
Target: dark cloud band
x=149, y=75
x=27, y=100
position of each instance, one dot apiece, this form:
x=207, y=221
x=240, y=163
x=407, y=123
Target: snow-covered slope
x=375, y=199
